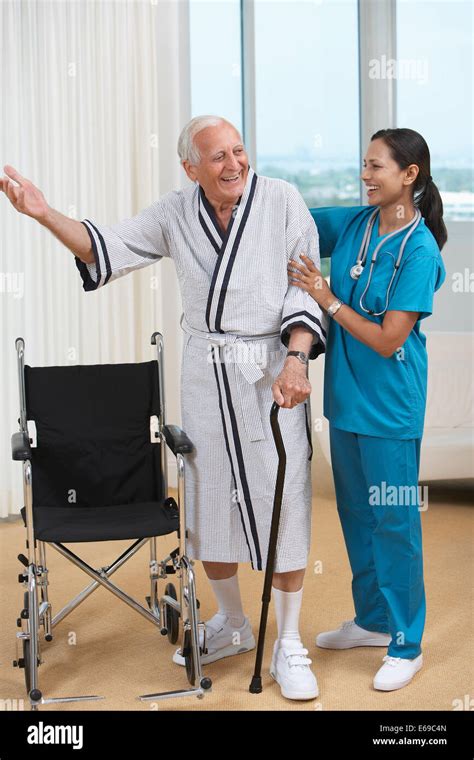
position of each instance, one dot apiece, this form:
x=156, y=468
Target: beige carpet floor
x=119, y=655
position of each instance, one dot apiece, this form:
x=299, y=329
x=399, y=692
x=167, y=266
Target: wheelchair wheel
x=172, y=615
x=26, y=664
x=188, y=658
x=26, y=645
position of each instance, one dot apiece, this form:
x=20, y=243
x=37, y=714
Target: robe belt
x=239, y=351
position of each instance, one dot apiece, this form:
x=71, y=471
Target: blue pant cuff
x=373, y=627
x=404, y=654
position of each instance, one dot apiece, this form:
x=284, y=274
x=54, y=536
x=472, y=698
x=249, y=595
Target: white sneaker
x=351, y=635
x=396, y=673
x=290, y=668
x=222, y=640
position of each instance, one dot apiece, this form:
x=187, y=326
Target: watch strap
x=299, y=355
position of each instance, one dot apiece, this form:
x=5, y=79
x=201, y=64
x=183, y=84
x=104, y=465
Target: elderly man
x=231, y=235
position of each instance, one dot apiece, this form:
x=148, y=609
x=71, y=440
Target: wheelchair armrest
x=21, y=449
x=177, y=440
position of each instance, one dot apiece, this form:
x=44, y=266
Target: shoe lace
x=391, y=660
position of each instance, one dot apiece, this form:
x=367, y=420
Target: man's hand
x=29, y=200
x=24, y=196
x=291, y=386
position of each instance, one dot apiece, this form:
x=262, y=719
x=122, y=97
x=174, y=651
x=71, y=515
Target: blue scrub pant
x=383, y=539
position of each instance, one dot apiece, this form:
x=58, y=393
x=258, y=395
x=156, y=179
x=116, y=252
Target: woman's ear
x=411, y=173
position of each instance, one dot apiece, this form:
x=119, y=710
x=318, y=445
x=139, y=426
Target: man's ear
x=190, y=170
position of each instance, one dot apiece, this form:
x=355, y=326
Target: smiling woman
x=396, y=152
x=375, y=387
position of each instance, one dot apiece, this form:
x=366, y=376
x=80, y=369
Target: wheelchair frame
x=37, y=609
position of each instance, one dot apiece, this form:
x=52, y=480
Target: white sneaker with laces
x=351, y=635
x=222, y=640
x=290, y=669
x=396, y=672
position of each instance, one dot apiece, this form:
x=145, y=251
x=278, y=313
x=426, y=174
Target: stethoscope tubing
x=362, y=257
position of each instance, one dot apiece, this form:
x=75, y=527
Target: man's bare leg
x=291, y=581
x=218, y=571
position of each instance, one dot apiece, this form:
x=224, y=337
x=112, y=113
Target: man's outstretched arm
x=27, y=199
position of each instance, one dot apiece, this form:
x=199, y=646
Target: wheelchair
x=98, y=472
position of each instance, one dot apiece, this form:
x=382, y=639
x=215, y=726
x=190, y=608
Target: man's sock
x=287, y=609
x=227, y=593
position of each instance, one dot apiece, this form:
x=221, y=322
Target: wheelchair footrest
x=20, y=663
x=55, y=700
x=197, y=691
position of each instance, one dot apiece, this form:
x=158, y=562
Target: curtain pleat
x=81, y=84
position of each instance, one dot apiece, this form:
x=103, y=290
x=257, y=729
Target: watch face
x=299, y=355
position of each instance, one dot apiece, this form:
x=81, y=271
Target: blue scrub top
x=363, y=391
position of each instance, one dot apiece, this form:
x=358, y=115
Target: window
x=307, y=97
x=434, y=96
x=216, y=59
x=434, y=93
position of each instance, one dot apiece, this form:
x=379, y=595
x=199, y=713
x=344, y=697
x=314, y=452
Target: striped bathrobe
x=238, y=311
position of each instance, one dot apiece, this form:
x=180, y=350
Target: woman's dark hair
x=409, y=147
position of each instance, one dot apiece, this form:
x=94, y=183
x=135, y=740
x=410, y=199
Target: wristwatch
x=299, y=355
x=334, y=307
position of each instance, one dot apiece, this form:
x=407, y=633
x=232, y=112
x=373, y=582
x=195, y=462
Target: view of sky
x=442, y=108
x=307, y=73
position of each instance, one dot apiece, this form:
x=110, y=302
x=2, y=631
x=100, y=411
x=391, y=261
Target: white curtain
x=94, y=95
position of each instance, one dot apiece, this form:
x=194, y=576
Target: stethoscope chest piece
x=356, y=271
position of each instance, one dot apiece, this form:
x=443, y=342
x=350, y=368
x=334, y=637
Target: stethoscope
x=358, y=267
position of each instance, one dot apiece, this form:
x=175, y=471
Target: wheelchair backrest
x=93, y=434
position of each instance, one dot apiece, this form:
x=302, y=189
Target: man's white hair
x=187, y=150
